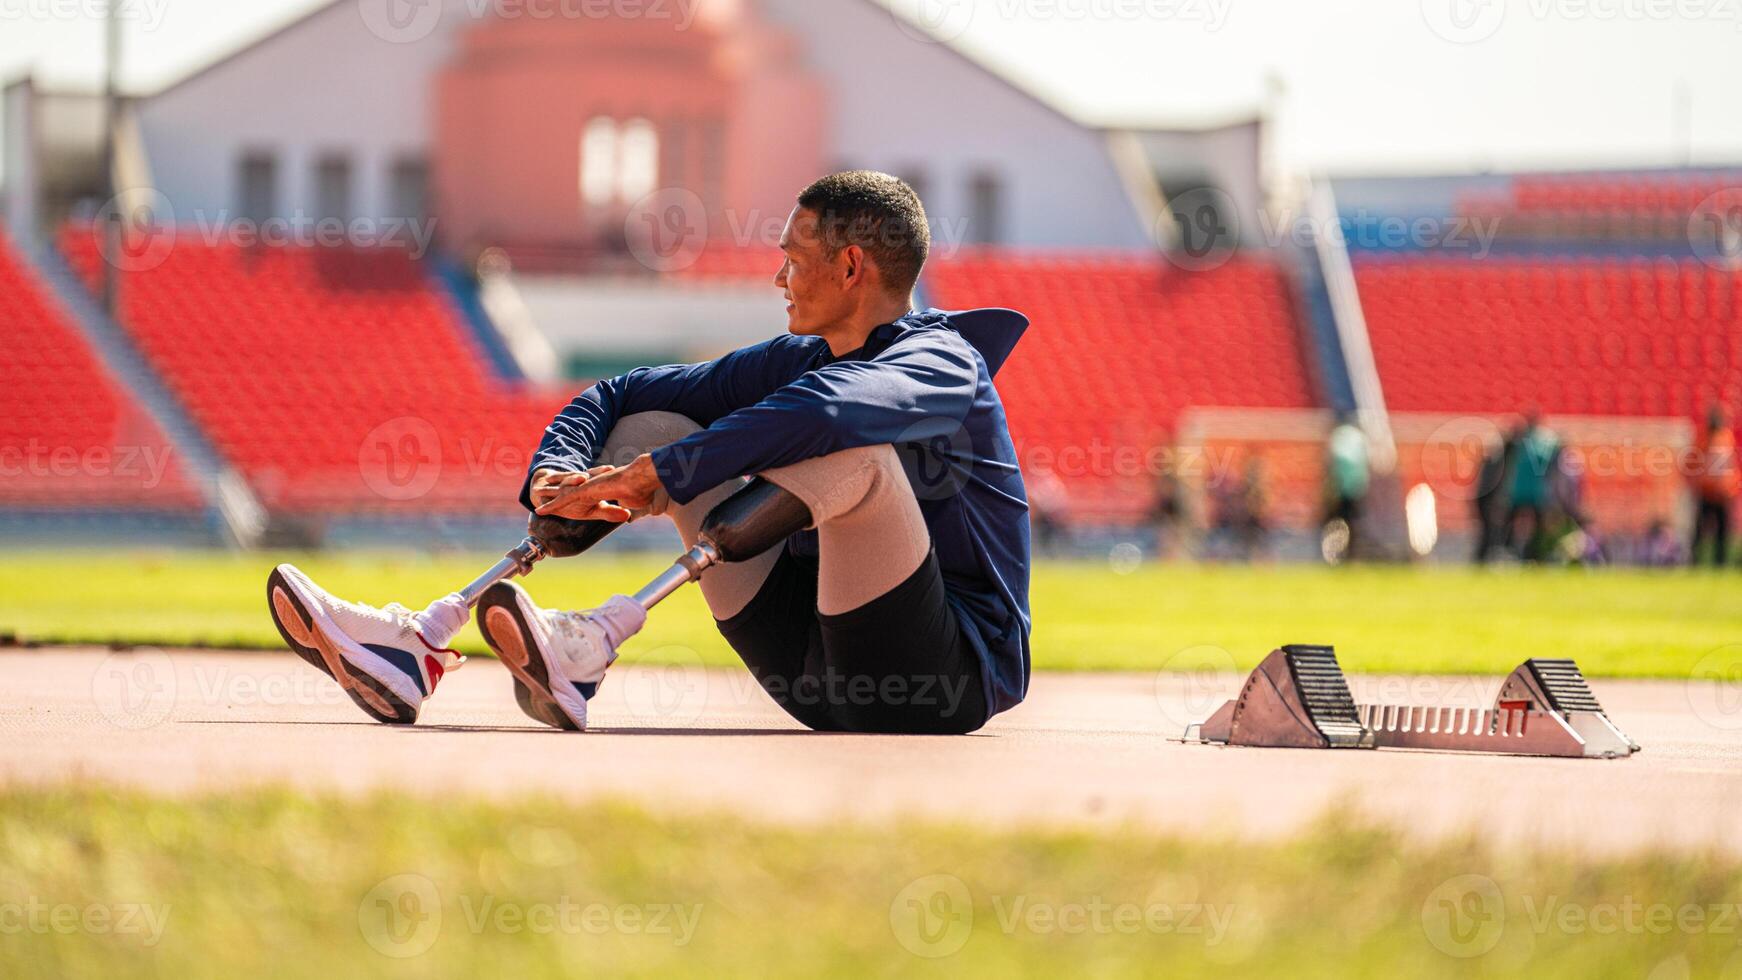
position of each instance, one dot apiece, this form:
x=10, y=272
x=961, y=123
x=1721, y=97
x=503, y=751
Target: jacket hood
x=992, y=331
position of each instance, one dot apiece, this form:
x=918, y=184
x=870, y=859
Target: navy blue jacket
x=922, y=384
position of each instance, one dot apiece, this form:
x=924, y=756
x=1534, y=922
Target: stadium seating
x=1120, y=344
x=335, y=379
x=1678, y=194
x=1635, y=337
x=70, y=436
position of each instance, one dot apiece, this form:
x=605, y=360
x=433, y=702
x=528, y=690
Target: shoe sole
x=506, y=630
x=296, y=624
x=538, y=707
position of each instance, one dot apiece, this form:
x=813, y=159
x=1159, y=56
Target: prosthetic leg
x=744, y=525
x=554, y=687
x=389, y=659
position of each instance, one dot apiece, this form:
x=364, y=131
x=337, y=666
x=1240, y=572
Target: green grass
x=270, y=884
x=1087, y=616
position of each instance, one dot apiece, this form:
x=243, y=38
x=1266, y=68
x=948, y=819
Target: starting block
x=1298, y=698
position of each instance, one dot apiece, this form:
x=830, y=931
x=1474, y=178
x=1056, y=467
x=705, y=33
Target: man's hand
x=603, y=493
x=548, y=484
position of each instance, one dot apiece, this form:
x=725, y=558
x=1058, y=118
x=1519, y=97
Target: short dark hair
x=877, y=212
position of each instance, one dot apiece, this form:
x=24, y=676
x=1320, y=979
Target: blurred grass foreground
x=270, y=884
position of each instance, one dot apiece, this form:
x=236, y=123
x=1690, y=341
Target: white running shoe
x=388, y=660
x=558, y=659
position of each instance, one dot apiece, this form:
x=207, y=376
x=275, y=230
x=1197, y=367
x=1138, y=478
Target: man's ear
x=854, y=264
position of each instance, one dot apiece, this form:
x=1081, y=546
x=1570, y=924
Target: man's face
x=816, y=284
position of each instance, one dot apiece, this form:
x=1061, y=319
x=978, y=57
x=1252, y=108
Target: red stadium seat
x=70, y=436
x=1641, y=337
x=1617, y=193
x=1120, y=344
x=335, y=379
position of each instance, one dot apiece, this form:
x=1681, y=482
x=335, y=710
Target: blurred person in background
x=1716, y=482
x=1573, y=527
x=1534, y=455
x=1226, y=497
x=1490, y=501
x=1240, y=506
x=1167, y=515
x=1256, y=529
x=1049, y=504
x=1660, y=548
x=1348, y=472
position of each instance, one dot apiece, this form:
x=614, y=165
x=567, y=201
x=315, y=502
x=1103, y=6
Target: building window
x=713, y=191
x=638, y=163
x=673, y=145
x=257, y=186
x=333, y=187
x=409, y=183
x=986, y=212
x=598, y=161
x=619, y=164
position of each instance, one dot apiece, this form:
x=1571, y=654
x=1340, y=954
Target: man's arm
x=919, y=389
x=703, y=392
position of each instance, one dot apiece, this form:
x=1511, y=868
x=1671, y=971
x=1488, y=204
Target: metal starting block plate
x=1298, y=698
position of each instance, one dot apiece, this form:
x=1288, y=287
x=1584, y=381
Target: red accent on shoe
x=434, y=667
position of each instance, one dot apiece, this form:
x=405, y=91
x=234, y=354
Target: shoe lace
x=573, y=626
x=399, y=616
x=585, y=638
x=392, y=614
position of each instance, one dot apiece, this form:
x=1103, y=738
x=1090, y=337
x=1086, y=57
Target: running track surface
x=1092, y=749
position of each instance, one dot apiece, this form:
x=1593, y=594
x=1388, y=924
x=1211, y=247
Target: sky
x=1352, y=86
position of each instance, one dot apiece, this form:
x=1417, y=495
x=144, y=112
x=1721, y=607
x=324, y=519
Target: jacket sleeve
x=921, y=388
x=704, y=392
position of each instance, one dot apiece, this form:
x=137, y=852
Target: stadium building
x=363, y=253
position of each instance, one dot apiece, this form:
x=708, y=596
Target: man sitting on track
x=903, y=607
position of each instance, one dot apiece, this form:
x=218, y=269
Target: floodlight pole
x=113, y=229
